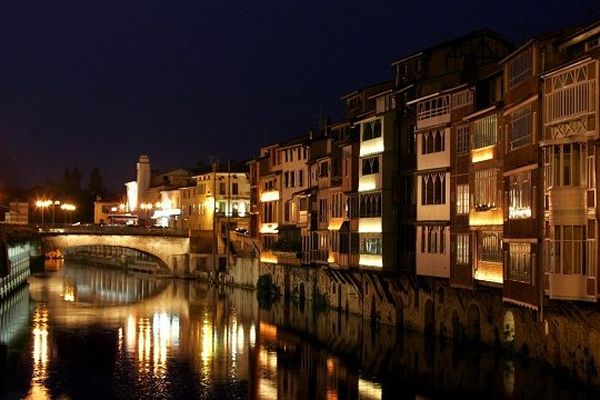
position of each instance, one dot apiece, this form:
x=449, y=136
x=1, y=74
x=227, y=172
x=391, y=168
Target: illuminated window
x=520, y=68
x=433, y=189
x=519, y=263
x=486, y=190
x=520, y=128
x=370, y=130
x=491, y=246
x=462, y=248
x=520, y=196
x=371, y=246
x=570, y=245
x=462, y=139
x=462, y=199
x=485, y=132
x=433, y=141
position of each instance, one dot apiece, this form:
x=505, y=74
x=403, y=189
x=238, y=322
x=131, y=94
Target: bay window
x=486, y=190
x=520, y=198
x=485, y=132
x=519, y=263
x=433, y=189
x=520, y=127
x=491, y=246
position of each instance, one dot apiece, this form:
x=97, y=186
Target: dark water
x=80, y=332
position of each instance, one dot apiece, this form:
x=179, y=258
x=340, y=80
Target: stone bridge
x=170, y=247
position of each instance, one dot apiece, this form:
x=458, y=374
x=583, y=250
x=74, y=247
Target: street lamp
x=41, y=204
x=66, y=207
x=54, y=204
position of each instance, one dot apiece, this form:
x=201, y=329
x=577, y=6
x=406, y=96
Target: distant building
x=18, y=213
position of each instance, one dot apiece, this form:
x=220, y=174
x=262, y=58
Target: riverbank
x=567, y=336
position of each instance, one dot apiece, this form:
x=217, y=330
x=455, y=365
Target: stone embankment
x=567, y=335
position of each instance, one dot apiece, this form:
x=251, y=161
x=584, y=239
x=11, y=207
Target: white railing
x=570, y=102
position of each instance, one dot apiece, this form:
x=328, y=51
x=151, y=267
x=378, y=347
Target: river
x=81, y=332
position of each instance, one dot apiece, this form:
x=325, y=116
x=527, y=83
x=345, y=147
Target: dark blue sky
x=97, y=83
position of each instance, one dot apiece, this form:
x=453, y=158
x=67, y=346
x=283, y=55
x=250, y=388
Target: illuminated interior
x=482, y=154
x=369, y=225
x=368, y=182
x=489, y=272
x=268, y=257
x=370, y=260
x=485, y=218
x=371, y=146
x=516, y=213
x=272, y=195
x=269, y=227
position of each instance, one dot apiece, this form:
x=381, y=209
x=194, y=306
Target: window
x=268, y=215
x=486, y=191
x=370, y=246
x=202, y=188
x=433, y=141
x=370, y=205
x=571, y=94
x=300, y=178
x=371, y=129
x=485, y=132
x=286, y=211
x=337, y=200
x=286, y=179
x=235, y=188
x=433, y=108
x=520, y=128
x=462, y=248
x=520, y=196
x=462, y=139
x=324, y=169
x=520, y=68
x=322, y=210
x=222, y=188
x=462, y=98
x=370, y=165
x=519, y=263
x=491, y=246
x=567, y=163
x=433, y=239
x=433, y=189
x=570, y=249
x=462, y=199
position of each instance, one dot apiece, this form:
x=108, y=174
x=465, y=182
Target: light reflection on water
x=97, y=333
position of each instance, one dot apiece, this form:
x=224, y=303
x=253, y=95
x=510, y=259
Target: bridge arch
x=166, y=249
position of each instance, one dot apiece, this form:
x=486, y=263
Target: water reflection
x=40, y=354
x=97, y=333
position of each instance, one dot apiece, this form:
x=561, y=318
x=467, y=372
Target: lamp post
x=42, y=204
x=54, y=204
x=68, y=208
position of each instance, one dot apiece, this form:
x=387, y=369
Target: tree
x=96, y=186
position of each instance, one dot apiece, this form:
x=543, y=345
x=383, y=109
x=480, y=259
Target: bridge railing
x=111, y=230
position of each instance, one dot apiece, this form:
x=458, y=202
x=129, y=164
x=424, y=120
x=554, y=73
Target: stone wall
x=568, y=334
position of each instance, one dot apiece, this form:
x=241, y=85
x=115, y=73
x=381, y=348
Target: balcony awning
x=335, y=224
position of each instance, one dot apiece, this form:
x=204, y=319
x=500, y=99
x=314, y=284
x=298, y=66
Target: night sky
x=98, y=83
